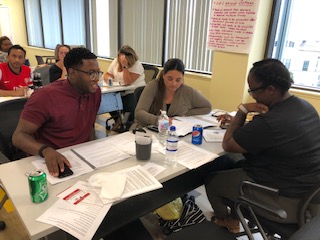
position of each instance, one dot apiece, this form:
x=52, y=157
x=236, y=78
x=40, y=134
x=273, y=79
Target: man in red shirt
x=14, y=72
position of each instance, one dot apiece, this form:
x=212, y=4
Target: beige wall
x=227, y=86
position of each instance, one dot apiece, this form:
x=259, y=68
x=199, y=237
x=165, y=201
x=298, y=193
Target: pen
x=71, y=194
x=81, y=198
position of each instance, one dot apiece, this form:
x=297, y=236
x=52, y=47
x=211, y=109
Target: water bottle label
x=172, y=145
x=164, y=124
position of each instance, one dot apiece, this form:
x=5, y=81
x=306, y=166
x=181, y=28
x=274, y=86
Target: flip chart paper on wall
x=232, y=24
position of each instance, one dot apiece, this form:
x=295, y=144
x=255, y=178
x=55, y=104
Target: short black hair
x=17, y=47
x=272, y=72
x=75, y=56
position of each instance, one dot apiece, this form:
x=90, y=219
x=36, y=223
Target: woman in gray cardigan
x=169, y=93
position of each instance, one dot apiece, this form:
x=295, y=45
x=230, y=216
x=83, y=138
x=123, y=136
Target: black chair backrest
x=10, y=113
x=150, y=72
x=137, y=93
x=39, y=60
x=45, y=76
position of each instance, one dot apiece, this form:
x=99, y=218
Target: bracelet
x=43, y=147
x=243, y=109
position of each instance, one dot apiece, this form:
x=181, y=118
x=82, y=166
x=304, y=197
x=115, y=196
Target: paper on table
x=126, y=142
x=192, y=156
x=154, y=169
x=184, y=125
x=213, y=135
x=139, y=180
x=79, y=167
x=100, y=154
x=85, y=159
x=80, y=220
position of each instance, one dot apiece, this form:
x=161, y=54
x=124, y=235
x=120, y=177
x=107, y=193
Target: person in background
x=63, y=113
x=14, y=75
x=5, y=44
x=281, y=146
x=169, y=93
x=58, y=70
x=126, y=69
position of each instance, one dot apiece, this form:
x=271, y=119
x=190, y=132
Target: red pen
x=81, y=198
x=71, y=194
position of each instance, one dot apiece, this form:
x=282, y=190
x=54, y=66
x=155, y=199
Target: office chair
x=10, y=114
x=49, y=59
x=248, y=208
x=45, y=76
x=136, y=94
x=150, y=72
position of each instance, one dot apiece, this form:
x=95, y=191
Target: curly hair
x=75, y=56
x=272, y=72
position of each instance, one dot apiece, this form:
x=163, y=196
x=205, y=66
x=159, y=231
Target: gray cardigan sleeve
x=142, y=114
x=186, y=102
x=200, y=105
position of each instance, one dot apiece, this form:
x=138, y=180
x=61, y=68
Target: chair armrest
x=257, y=186
x=277, y=212
x=304, y=203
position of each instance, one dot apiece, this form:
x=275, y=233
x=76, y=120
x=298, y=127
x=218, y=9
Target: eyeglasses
x=93, y=75
x=250, y=91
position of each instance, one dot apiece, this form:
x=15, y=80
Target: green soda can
x=38, y=186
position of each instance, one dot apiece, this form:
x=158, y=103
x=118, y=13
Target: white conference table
x=177, y=180
x=110, y=99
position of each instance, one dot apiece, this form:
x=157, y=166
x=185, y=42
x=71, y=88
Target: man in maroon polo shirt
x=62, y=113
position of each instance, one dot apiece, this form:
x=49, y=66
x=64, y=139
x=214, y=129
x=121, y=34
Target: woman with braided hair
x=281, y=146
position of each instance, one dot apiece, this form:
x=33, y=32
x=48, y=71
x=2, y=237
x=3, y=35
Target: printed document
x=85, y=159
x=138, y=180
x=82, y=219
x=192, y=156
x=184, y=125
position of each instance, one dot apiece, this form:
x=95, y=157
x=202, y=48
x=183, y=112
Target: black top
x=283, y=147
x=55, y=73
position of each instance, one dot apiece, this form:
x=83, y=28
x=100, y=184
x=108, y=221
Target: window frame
x=280, y=43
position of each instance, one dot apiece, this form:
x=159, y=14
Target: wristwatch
x=243, y=109
x=43, y=147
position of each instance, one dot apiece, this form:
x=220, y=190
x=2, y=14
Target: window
x=156, y=29
x=44, y=22
x=295, y=40
x=305, y=66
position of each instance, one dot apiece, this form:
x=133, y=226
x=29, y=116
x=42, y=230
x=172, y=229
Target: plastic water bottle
x=172, y=146
x=163, y=125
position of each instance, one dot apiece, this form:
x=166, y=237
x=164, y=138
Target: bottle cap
x=172, y=128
